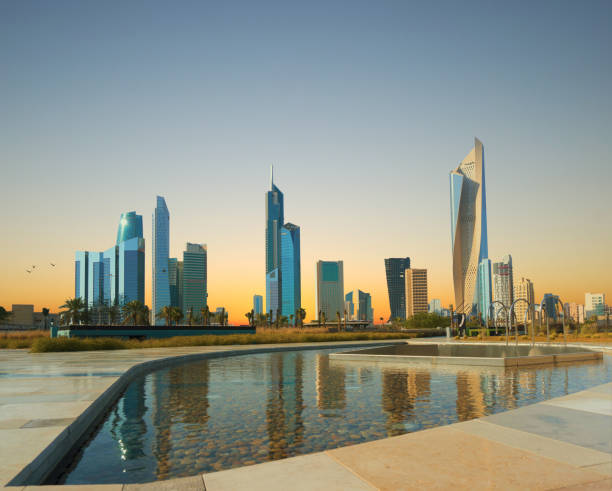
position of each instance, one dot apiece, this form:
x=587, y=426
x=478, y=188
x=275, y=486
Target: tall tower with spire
x=275, y=218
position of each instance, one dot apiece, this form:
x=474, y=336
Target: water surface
x=227, y=412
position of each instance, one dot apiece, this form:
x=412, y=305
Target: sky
x=363, y=108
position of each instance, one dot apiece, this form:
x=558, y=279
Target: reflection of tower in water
x=400, y=390
x=331, y=391
x=181, y=399
x=128, y=427
x=285, y=405
x=470, y=396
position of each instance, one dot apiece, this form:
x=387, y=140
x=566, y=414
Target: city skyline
x=362, y=123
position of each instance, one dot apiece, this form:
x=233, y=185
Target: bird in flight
x=52, y=264
x=29, y=270
x=33, y=266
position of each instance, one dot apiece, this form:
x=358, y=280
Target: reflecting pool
x=227, y=412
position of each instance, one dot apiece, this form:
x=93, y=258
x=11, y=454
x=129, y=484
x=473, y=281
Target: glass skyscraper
x=95, y=279
x=503, y=281
x=468, y=227
x=358, y=306
x=484, y=288
x=194, y=278
x=330, y=288
x=130, y=227
x=257, y=304
x=395, y=269
x=131, y=269
x=110, y=276
x=81, y=275
x=175, y=278
x=275, y=218
x=161, y=246
x=291, y=295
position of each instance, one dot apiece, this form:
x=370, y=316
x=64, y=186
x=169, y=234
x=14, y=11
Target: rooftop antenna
x=271, y=176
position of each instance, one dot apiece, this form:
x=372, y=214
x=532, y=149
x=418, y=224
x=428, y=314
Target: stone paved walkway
x=563, y=443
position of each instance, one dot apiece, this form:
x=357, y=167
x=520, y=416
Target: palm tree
x=338, y=317
x=291, y=319
x=166, y=313
x=134, y=312
x=302, y=313
x=205, y=315
x=270, y=317
x=249, y=316
x=319, y=318
x=4, y=315
x=143, y=316
x=190, y=317
x=75, y=310
x=176, y=315
x=323, y=318
x=45, y=313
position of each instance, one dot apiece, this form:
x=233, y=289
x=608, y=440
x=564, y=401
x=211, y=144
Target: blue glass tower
x=161, y=246
x=275, y=218
x=484, y=288
x=291, y=294
x=110, y=276
x=257, y=304
x=95, y=279
x=130, y=226
x=131, y=270
x=81, y=275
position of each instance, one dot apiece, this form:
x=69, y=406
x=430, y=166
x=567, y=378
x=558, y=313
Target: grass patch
x=47, y=345
x=20, y=339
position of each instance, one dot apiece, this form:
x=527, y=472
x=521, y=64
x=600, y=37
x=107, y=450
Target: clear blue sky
x=364, y=108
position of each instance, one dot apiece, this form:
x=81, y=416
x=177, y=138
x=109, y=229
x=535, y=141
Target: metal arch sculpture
x=510, y=317
x=495, y=314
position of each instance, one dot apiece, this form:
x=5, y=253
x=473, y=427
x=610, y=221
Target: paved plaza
x=562, y=443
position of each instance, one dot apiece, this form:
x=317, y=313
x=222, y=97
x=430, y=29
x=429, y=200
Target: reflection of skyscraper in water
x=285, y=405
x=183, y=393
x=330, y=383
x=400, y=390
x=470, y=396
x=128, y=427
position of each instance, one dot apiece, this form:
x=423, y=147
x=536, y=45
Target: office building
x=522, y=289
x=291, y=292
x=484, y=288
x=175, y=280
x=575, y=312
x=416, y=292
x=275, y=218
x=130, y=227
x=435, y=306
x=358, y=306
x=594, y=304
x=257, y=304
x=115, y=276
x=330, y=288
x=194, y=278
x=549, y=303
x=81, y=270
x=131, y=270
x=396, y=285
x=468, y=227
x=161, y=247
x=503, y=282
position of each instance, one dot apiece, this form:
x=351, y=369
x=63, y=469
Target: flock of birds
x=33, y=267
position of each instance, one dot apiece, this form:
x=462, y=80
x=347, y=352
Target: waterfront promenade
x=562, y=443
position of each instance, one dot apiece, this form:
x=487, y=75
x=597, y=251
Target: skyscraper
x=549, y=304
x=435, y=306
x=483, y=286
x=522, y=289
x=95, y=279
x=396, y=285
x=503, y=281
x=594, y=304
x=416, y=292
x=130, y=226
x=257, y=304
x=161, y=246
x=131, y=270
x=291, y=294
x=330, y=288
x=81, y=275
x=468, y=226
x=275, y=218
x=175, y=279
x=194, y=278
x=359, y=306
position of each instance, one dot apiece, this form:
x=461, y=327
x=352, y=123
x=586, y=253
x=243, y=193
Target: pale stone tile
x=43, y=410
x=195, y=483
x=445, y=458
x=307, y=472
x=600, y=404
x=540, y=445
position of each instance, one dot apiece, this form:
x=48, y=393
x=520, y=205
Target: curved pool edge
x=75, y=433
